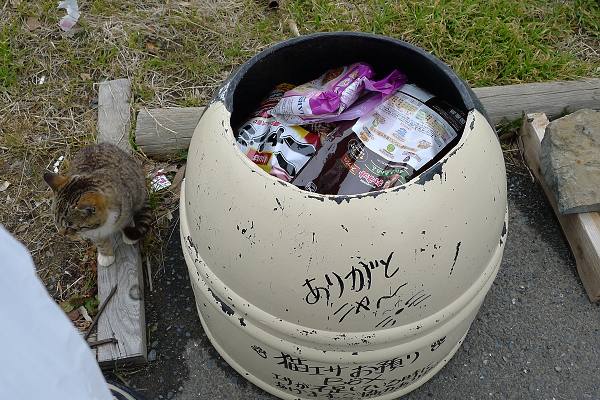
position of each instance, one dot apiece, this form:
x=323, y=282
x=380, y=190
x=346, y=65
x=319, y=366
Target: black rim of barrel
x=255, y=78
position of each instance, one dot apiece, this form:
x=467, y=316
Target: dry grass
x=173, y=55
x=177, y=52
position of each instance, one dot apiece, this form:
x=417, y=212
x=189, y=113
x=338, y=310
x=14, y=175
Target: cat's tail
x=142, y=221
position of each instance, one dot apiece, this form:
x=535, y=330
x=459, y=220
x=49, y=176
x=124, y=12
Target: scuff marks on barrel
x=320, y=198
x=437, y=169
x=430, y=174
x=503, y=234
x=305, y=332
x=191, y=245
x=279, y=204
x=455, y=257
x=340, y=199
x=242, y=322
x=226, y=309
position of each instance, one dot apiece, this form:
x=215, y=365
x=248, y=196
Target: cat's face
x=78, y=206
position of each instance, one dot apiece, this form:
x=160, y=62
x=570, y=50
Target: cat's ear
x=55, y=181
x=91, y=202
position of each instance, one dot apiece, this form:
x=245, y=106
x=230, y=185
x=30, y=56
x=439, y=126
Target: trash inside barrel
x=342, y=219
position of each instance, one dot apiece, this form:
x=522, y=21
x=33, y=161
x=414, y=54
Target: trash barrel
x=364, y=296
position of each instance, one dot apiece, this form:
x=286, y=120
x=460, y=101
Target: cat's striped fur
x=103, y=192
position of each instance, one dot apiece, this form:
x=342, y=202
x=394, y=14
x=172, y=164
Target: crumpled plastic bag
x=67, y=22
x=332, y=96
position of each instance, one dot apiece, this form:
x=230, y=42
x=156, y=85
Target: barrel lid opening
x=305, y=58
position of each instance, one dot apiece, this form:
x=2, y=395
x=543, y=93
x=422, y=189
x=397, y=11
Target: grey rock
x=570, y=161
x=152, y=355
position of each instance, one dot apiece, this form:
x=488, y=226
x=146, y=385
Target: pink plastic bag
x=333, y=96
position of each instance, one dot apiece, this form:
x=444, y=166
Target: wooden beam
x=552, y=98
x=166, y=131
x=123, y=317
x=163, y=132
x=114, y=117
x=581, y=230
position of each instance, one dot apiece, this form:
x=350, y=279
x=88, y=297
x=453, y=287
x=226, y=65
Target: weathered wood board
x=114, y=117
x=581, y=230
x=162, y=132
x=166, y=131
x=552, y=98
x=124, y=317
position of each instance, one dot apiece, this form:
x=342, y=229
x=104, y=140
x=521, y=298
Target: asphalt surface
x=536, y=336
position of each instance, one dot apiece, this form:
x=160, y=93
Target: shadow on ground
x=536, y=335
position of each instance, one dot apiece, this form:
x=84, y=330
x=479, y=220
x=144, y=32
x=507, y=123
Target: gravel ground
x=536, y=336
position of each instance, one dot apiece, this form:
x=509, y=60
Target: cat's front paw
x=104, y=260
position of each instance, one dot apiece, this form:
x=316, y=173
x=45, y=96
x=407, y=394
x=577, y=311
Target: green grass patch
x=487, y=43
x=8, y=71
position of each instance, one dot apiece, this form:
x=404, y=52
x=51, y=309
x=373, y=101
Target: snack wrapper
x=412, y=126
x=384, y=148
x=331, y=97
x=278, y=149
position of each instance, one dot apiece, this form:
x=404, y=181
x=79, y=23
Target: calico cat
x=103, y=192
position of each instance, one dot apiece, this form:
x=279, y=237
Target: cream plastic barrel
x=340, y=297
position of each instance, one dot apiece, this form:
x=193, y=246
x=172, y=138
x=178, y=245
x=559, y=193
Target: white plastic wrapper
x=67, y=22
x=43, y=356
x=405, y=128
x=159, y=181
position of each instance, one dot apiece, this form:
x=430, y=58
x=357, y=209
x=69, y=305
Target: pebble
x=180, y=388
x=187, y=334
x=170, y=395
x=152, y=355
x=154, y=344
x=557, y=369
x=532, y=388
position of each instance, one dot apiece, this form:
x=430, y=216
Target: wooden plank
x=581, y=230
x=114, y=118
x=166, y=131
x=124, y=317
x=552, y=98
